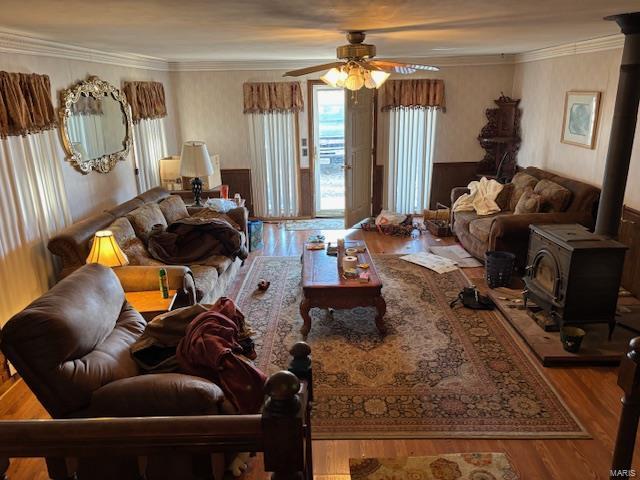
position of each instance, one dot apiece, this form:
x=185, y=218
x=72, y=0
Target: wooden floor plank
x=590, y=392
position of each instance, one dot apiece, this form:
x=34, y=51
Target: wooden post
x=4, y=466
x=629, y=381
x=301, y=366
x=283, y=429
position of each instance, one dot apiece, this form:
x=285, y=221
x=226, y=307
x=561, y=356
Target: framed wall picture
x=580, y=123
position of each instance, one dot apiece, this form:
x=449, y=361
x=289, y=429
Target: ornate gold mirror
x=95, y=125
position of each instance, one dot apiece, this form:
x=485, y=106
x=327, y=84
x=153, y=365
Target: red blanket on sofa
x=210, y=349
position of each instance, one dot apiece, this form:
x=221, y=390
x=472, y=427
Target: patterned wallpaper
x=209, y=107
x=542, y=85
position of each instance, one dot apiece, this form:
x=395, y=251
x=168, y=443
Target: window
x=274, y=171
x=410, y=158
x=149, y=146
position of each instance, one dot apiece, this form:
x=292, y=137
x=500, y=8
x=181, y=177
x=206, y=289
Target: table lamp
x=106, y=251
x=195, y=162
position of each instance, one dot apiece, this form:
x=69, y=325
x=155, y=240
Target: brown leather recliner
x=71, y=346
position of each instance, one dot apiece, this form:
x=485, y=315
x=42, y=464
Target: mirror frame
x=95, y=88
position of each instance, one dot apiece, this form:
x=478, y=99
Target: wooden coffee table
x=324, y=287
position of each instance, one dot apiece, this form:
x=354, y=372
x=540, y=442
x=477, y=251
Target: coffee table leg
x=381, y=307
x=305, y=306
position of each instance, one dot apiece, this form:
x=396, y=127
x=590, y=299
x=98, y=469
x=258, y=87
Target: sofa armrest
x=240, y=215
x=159, y=394
x=457, y=192
x=140, y=278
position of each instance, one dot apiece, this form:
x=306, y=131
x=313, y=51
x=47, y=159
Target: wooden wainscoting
x=446, y=176
x=377, y=189
x=629, y=234
x=239, y=181
x=306, y=192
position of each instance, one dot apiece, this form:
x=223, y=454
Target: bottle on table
x=164, y=283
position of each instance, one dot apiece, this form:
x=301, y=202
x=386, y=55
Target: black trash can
x=499, y=268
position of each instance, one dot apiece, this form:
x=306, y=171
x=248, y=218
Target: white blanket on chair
x=481, y=198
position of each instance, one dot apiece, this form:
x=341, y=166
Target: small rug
x=457, y=466
x=437, y=373
x=315, y=224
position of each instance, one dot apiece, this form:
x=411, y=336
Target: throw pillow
x=131, y=245
x=555, y=198
x=529, y=202
x=144, y=218
x=520, y=183
x=173, y=209
x=504, y=197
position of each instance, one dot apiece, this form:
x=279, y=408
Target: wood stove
x=573, y=274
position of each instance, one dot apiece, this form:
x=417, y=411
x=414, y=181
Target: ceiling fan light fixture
x=355, y=80
x=334, y=77
x=378, y=77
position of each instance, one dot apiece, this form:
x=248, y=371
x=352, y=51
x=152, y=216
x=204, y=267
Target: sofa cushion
x=555, y=198
x=503, y=200
x=219, y=262
x=173, y=209
x=205, y=277
x=520, y=183
x=144, y=218
x=529, y=202
x=130, y=244
x=481, y=227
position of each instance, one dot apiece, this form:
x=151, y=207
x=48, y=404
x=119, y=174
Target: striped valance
x=146, y=99
x=413, y=93
x=267, y=97
x=25, y=104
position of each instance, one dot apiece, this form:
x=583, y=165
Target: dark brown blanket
x=193, y=240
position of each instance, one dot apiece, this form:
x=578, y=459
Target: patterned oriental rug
x=437, y=373
x=457, y=466
x=315, y=224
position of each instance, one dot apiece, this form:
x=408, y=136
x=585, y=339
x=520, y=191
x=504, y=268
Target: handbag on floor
x=470, y=297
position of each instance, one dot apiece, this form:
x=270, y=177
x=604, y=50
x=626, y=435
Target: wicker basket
x=437, y=221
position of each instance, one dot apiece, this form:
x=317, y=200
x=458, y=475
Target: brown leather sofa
x=72, y=245
x=71, y=346
x=509, y=232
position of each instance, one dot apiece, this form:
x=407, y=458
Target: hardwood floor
x=591, y=393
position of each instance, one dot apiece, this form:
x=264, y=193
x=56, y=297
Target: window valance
x=413, y=93
x=25, y=104
x=267, y=97
x=146, y=99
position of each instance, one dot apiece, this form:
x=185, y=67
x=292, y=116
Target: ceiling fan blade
x=315, y=68
x=402, y=67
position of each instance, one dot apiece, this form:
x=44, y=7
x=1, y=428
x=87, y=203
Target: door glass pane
x=329, y=160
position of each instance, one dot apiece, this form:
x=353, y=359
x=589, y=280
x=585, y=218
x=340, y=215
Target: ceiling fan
x=356, y=67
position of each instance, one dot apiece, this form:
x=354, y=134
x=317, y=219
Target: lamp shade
x=106, y=251
x=195, y=160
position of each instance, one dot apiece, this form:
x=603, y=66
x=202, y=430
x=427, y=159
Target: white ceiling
x=310, y=29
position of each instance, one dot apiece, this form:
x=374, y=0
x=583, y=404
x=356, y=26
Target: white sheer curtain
x=149, y=146
x=410, y=158
x=274, y=167
x=33, y=206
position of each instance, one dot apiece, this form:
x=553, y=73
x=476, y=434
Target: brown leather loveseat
x=71, y=346
x=507, y=231
x=131, y=222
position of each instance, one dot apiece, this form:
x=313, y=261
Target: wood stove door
x=543, y=277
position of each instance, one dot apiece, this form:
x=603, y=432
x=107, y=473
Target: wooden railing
x=175, y=447
x=629, y=381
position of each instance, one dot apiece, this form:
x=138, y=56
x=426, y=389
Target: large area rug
x=456, y=466
x=437, y=373
x=315, y=224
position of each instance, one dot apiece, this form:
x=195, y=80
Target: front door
x=358, y=155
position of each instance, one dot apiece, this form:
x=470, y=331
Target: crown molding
x=22, y=44
x=25, y=45
x=220, y=66
x=610, y=42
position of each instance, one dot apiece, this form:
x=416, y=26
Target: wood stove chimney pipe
x=623, y=128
